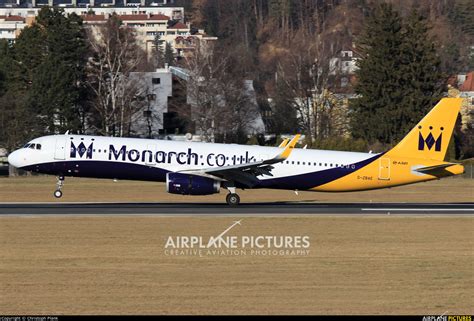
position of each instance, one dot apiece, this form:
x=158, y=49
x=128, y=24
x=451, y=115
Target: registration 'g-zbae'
x=191, y=168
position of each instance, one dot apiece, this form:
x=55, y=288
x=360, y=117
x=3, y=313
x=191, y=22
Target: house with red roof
x=11, y=26
x=180, y=36
x=14, y=19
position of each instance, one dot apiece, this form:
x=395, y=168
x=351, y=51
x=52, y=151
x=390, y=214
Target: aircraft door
x=384, y=169
x=60, y=149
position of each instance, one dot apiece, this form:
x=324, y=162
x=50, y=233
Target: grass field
x=117, y=265
x=40, y=189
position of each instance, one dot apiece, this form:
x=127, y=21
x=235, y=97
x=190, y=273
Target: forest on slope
x=264, y=30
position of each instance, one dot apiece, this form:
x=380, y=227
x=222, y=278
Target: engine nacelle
x=177, y=183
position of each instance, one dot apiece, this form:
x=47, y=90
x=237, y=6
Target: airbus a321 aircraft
x=192, y=168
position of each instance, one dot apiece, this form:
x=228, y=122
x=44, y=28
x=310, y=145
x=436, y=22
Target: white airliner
x=192, y=168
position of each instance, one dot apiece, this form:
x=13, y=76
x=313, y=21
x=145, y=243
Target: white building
x=256, y=126
x=11, y=27
x=156, y=88
x=344, y=63
x=175, y=13
x=147, y=22
x=467, y=93
x=148, y=26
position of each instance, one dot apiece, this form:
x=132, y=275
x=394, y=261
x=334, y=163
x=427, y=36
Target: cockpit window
x=33, y=146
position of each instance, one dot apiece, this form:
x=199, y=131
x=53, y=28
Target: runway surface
x=243, y=209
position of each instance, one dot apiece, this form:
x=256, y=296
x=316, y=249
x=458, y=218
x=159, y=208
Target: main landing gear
x=232, y=198
x=59, y=185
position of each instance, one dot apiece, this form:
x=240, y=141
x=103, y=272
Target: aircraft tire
x=232, y=199
x=58, y=193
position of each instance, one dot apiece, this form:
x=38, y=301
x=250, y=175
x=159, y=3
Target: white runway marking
x=420, y=209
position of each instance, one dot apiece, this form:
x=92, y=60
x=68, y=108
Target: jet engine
x=185, y=184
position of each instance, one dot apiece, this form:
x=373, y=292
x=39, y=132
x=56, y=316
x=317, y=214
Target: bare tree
x=307, y=72
x=222, y=106
x=114, y=54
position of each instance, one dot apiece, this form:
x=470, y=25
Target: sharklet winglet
x=284, y=143
x=288, y=148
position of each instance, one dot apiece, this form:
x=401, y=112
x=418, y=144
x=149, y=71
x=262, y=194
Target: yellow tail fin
x=429, y=139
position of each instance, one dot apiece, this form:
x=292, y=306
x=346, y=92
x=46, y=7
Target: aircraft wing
x=246, y=173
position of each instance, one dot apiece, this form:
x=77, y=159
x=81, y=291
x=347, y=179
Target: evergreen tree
x=4, y=53
x=211, y=17
x=2, y=82
x=398, y=77
x=29, y=53
x=169, y=54
x=16, y=121
x=284, y=118
x=420, y=75
x=50, y=56
x=471, y=59
x=462, y=14
x=2, y=74
x=158, y=51
x=377, y=85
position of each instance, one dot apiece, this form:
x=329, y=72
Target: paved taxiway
x=242, y=209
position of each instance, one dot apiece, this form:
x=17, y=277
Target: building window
x=344, y=82
x=156, y=81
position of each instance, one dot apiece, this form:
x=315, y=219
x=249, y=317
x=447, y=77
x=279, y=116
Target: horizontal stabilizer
x=432, y=170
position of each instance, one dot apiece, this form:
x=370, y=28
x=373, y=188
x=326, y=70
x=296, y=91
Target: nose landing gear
x=59, y=185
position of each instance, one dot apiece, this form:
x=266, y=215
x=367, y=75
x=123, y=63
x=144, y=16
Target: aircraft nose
x=15, y=159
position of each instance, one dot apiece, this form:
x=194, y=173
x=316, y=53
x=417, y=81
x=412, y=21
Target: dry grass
x=40, y=189
x=116, y=265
